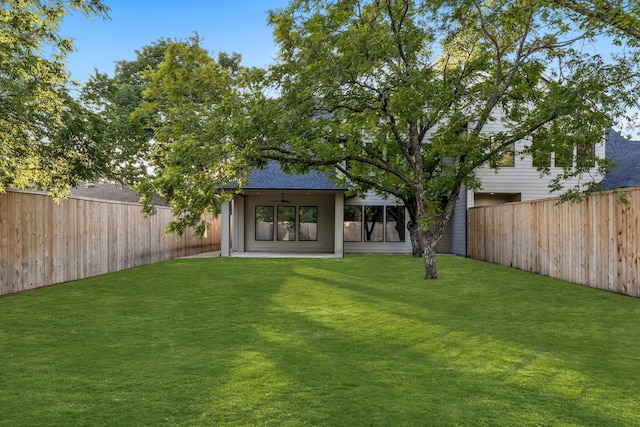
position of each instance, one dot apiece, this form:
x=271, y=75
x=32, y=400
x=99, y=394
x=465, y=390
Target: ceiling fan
x=283, y=200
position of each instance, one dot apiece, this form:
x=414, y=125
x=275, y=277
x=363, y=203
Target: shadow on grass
x=356, y=341
x=139, y=347
x=330, y=348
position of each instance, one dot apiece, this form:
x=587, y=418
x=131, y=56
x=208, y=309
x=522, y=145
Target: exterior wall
x=338, y=232
x=458, y=226
x=520, y=182
x=523, y=177
x=325, y=237
x=377, y=247
x=237, y=226
x=444, y=245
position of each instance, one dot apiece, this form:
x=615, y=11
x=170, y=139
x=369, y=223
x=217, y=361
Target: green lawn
x=336, y=342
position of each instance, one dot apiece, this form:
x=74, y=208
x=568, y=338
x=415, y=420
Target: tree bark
x=432, y=237
x=417, y=238
x=430, y=243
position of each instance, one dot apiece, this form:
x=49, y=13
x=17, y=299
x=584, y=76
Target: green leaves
x=196, y=109
x=407, y=93
x=35, y=106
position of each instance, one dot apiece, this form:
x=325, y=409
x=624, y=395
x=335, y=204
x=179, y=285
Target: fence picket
x=43, y=242
x=594, y=243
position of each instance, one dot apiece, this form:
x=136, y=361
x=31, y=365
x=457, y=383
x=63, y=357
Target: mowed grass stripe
x=356, y=341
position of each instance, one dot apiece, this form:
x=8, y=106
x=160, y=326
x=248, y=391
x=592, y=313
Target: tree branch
x=610, y=15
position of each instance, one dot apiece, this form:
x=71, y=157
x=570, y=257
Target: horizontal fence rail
x=594, y=243
x=43, y=242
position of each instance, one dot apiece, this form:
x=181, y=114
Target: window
x=508, y=159
x=352, y=223
x=380, y=224
x=540, y=157
x=394, y=224
x=508, y=153
x=566, y=148
x=586, y=155
x=305, y=224
x=308, y=223
x=264, y=222
x=286, y=223
x=373, y=223
x=564, y=154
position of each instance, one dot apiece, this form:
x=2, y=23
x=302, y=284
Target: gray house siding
x=458, y=226
x=324, y=242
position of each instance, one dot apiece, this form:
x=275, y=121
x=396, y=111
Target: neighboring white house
x=519, y=181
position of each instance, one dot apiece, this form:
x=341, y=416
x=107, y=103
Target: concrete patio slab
x=216, y=254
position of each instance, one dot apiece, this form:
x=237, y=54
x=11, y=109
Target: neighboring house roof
x=626, y=155
x=109, y=192
x=273, y=178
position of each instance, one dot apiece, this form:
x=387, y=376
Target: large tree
x=126, y=140
x=195, y=107
x=46, y=138
x=396, y=95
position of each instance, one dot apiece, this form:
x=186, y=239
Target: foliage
x=126, y=140
x=35, y=106
x=398, y=96
x=194, y=106
x=619, y=18
x=353, y=341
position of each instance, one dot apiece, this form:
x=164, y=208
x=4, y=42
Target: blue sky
x=225, y=25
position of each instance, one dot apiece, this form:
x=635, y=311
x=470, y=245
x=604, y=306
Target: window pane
x=286, y=223
x=540, y=157
x=352, y=223
x=564, y=154
x=586, y=155
x=373, y=223
x=395, y=224
x=541, y=160
x=308, y=223
x=264, y=222
x=507, y=159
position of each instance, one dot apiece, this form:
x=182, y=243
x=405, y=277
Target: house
x=310, y=213
x=626, y=155
x=518, y=179
x=277, y=212
x=104, y=191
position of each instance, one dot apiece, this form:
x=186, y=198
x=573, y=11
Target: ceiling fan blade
x=281, y=200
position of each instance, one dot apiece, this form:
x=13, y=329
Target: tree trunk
x=434, y=234
x=417, y=239
x=430, y=242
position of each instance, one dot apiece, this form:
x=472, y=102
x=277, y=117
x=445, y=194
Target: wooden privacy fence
x=594, y=243
x=43, y=242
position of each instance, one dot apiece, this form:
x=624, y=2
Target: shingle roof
x=273, y=178
x=109, y=192
x=625, y=154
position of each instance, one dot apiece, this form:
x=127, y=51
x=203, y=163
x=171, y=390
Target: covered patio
x=284, y=216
